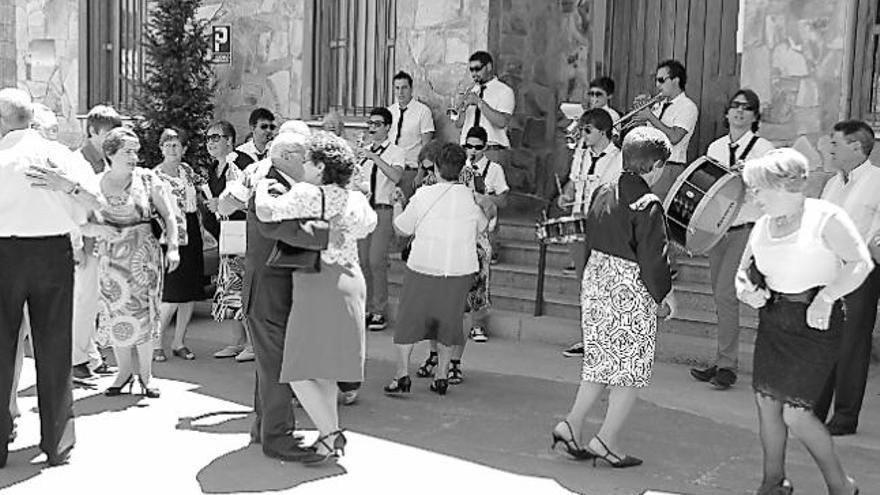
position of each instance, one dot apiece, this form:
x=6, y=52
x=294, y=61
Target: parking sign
x=222, y=47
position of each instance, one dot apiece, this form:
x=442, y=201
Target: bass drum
x=701, y=205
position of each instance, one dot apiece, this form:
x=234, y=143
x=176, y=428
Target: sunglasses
x=742, y=105
x=214, y=138
x=476, y=68
x=477, y=147
x=271, y=127
x=597, y=94
x=375, y=123
x=661, y=80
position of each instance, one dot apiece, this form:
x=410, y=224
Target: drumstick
x=558, y=183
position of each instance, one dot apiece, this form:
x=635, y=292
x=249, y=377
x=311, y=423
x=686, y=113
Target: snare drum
x=702, y=203
x=562, y=230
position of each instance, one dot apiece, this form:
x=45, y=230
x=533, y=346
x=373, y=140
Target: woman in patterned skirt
x=185, y=286
x=626, y=280
x=802, y=257
x=130, y=259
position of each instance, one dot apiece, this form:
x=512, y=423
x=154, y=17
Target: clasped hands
x=818, y=312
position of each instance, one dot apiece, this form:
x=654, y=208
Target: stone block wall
x=47, y=58
x=267, y=51
x=7, y=44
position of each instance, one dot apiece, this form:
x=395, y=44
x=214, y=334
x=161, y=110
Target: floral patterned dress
x=130, y=268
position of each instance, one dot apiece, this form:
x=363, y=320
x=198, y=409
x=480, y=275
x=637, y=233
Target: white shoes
x=229, y=351
x=246, y=354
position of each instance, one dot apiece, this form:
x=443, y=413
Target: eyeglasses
x=271, y=127
x=375, y=123
x=597, y=94
x=214, y=138
x=476, y=68
x=661, y=80
x=742, y=105
x=477, y=147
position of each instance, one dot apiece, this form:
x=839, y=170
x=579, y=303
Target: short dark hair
x=754, y=105
x=450, y=161
x=482, y=57
x=260, y=114
x=604, y=83
x=478, y=132
x=225, y=127
x=115, y=140
x=675, y=69
x=599, y=119
x=172, y=133
x=642, y=147
x=102, y=118
x=857, y=130
x=334, y=153
x=430, y=151
x=384, y=113
x=403, y=75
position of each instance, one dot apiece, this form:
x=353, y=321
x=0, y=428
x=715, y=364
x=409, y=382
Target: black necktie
x=262, y=156
x=663, y=108
x=477, y=113
x=374, y=173
x=594, y=159
x=845, y=176
x=732, y=147
x=399, y=126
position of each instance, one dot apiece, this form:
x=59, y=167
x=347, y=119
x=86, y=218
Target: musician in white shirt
x=731, y=150
x=490, y=102
x=412, y=126
x=599, y=96
x=855, y=188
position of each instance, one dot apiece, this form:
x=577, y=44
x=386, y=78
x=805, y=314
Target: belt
x=382, y=207
x=741, y=226
x=680, y=164
x=805, y=297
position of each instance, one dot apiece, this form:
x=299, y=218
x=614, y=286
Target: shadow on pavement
x=19, y=468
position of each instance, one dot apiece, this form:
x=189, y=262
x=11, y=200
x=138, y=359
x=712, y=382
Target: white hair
x=16, y=107
x=44, y=116
x=296, y=127
x=286, y=142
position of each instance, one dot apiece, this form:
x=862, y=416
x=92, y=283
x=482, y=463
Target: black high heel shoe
x=571, y=446
x=613, y=459
x=439, y=386
x=427, y=369
x=150, y=393
x=116, y=391
x=335, y=451
x=398, y=386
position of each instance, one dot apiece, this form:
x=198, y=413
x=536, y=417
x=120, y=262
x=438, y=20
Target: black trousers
x=270, y=302
x=846, y=385
x=39, y=271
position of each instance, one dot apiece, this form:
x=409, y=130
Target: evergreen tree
x=179, y=83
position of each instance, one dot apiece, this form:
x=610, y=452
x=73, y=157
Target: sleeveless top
x=800, y=260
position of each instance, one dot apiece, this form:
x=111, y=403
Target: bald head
x=16, y=109
x=295, y=126
x=288, y=152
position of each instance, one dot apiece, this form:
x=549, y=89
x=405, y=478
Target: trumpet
x=458, y=107
x=638, y=108
x=573, y=134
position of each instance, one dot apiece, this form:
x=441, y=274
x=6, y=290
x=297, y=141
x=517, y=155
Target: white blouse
x=446, y=221
x=348, y=212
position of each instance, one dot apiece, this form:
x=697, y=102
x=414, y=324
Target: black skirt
x=793, y=361
x=186, y=283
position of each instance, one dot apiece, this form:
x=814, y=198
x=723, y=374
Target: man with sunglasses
x=676, y=116
x=380, y=172
x=599, y=96
x=490, y=102
x=262, y=123
x=412, y=127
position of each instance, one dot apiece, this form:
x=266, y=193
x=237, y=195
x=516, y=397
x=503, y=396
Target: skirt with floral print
x=619, y=323
x=227, y=304
x=478, y=297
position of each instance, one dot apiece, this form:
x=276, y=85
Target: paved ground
x=490, y=434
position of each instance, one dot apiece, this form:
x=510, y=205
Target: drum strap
x=745, y=152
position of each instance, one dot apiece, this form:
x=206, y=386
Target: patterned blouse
x=349, y=212
x=183, y=191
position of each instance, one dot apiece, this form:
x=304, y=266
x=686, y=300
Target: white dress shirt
x=492, y=174
x=614, y=116
x=417, y=120
x=27, y=211
x=392, y=155
x=859, y=196
x=608, y=168
x=498, y=96
x=719, y=151
x=683, y=113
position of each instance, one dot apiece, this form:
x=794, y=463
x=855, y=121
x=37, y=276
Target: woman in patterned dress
x=626, y=279
x=130, y=259
x=184, y=286
x=325, y=339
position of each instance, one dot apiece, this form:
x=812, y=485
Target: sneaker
x=229, y=351
x=724, y=379
x=247, y=354
x=478, y=334
x=82, y=372
x=376, y=322
x=704, y=374
x=576, y=350
x=348, y=398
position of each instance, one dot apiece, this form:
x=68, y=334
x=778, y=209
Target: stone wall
x=47, y=58
x=7, y=44
x=434, y=40
x=267, y=51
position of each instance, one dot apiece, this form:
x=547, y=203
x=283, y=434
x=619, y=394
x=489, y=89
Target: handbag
x=302, y=251
x=233, y=237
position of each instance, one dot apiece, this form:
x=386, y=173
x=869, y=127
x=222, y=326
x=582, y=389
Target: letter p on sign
x=222, y=49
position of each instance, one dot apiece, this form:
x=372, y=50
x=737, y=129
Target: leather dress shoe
x=82, y=372
x=724, y=379
x=837, y=429
x=59, y=459
x=705, y=374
